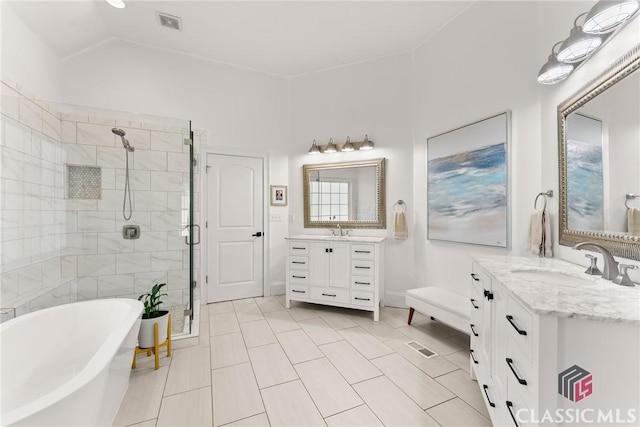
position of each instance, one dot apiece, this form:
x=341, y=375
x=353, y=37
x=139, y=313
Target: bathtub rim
x=98, y=362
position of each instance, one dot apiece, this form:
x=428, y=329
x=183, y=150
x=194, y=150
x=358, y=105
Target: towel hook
x=630, y=196
x=401, y=204
x=545, y=194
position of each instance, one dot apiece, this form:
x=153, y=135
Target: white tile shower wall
x=106, y=264
x=33, y=222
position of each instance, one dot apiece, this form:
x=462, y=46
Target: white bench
x=442, y=305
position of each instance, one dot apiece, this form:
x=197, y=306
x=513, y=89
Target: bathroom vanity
x=338, y=271
x=551, y=345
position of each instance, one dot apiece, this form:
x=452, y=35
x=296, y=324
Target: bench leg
x=411, y=310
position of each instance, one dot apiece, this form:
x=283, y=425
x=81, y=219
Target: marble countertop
x=559, y=288
x=320, y=237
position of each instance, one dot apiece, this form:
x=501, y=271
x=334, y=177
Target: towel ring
x=545, y=194
x=630, y=196
x=401, y=204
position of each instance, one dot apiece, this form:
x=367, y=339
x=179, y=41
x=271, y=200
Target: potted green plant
x=152, y=315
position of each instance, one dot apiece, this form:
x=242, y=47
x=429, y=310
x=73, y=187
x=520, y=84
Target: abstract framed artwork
x=468, y=183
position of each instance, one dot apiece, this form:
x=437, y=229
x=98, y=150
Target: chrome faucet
x=610, y=271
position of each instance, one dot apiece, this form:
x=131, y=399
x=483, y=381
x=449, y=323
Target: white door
x=234, y=230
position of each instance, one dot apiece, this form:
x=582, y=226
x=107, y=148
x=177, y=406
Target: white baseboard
x=394, y=299
x=278, y=288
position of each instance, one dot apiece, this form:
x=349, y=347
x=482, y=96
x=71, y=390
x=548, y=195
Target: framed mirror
x=350, y=194
x=599, y=160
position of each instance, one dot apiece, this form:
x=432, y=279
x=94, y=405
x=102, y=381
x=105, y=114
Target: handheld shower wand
x=127, y=190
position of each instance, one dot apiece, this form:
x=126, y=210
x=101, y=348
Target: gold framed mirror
x=598, y=156
x=349, y=194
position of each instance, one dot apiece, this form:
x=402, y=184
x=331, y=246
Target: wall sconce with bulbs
x=599, y=25
x=346, y=146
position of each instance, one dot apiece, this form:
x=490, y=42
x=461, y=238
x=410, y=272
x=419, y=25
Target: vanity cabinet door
x=319, y=264
x=339, y=265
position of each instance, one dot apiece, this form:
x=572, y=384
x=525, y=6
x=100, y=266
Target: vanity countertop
x=354, y=239
x=560, y=288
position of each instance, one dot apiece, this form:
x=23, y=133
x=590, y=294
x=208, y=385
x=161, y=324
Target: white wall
x=480, y=65
x=26, y=60
x=371, y=98
x=242, y=110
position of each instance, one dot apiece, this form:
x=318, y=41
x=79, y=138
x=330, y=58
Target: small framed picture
x=279, y=195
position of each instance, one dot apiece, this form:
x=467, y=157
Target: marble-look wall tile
x=51, y=125
x=111, y=286
x=80, y=244
x=166, y=221
x=112, y=200
x=165, y=141
x=11, y=164
x=114, y=243
x=96, y=265
x=30, y=114
x=81, y=205
x=140, y=139
x=75, y=154
x=166, y=181
x=10, y=225
x=150, y=201
x=166, y=260
x=122, y=123
x=138, y=179
x=141, y=219
x=13, y=195
x=150, y=160
x=178, y=162
x=113, y=157
x=68, y=132
x=93, y=221
x=10, y=105
x=108, y=178
x=177, y=200
x=151, y=241
x=29, y=278
x=15, y=254
x=15, y=135
x=178, y=279
x=9, y=288
x=87, y=288
x=51, y=271
x=68, y=266
x=144, y=281
x=95, y=134
x=175, y=240
x=133, y=263
x=101, y=120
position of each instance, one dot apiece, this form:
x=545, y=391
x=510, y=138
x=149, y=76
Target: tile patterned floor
x=259, y=364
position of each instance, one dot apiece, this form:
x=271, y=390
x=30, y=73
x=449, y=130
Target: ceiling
x=285, y=38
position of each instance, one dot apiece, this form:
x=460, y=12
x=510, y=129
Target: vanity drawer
x=362, y=252
x=299, y=277
x=330, y=294
x=362, y=268
x=520, y=326
x=362, y=283
x=298, y=262
x=298, y=292
x=519, y=370
x=299, y=248
x=363, y=299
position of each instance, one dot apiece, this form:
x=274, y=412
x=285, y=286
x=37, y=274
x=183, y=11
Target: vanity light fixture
x=118, y=4
x=314, y=148
x=554, y=71
x=331, y=147
x=348, y=146
x=607, y=15
x=578, y=45
x=366, y=144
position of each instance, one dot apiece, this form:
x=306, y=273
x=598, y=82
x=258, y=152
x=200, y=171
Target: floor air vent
x=170, y=21
x=421, y=349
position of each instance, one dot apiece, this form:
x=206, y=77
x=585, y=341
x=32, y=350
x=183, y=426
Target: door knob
x=258, y=234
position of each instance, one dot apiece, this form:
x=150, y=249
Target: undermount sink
x=551, y=277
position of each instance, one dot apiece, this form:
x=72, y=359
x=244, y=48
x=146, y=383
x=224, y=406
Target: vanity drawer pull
x=329, y=295
x=362, y=283
x=475, y=334
x=298, y=292
x=363, y=267
x=488, y=295
x=513, y=417
x=520, y=331
x=486, y=392
x=510, y=363
x=473, y=275
x=298, y=262
x=472, y=353
x=363, y=252
x=473, y=303
x=299, y=277
x=362, y=299
x=298, y=248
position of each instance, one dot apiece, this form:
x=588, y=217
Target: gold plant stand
x=156, y=347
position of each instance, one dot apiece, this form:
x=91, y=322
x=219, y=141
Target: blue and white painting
x=467, y=184
x=585, y=188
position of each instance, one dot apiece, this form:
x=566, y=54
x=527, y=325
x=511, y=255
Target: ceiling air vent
x=170, y=21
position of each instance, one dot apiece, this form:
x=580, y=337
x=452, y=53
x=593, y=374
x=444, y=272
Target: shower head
x=125, y=143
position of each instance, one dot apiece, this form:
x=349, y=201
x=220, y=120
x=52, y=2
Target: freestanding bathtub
x=68, y=365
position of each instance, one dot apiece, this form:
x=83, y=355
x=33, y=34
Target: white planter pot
x=145, y=337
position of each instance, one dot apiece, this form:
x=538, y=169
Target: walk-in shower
x=127, y=188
